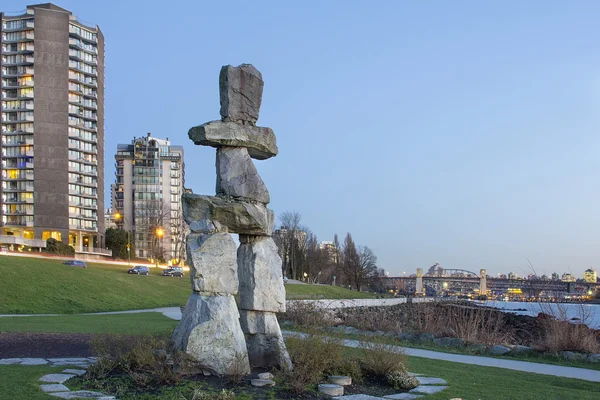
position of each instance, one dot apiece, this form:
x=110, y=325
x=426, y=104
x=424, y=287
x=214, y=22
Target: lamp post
x=121, y=217
x=159, y=233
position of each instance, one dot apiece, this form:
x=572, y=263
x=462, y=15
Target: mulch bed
x=45, y=345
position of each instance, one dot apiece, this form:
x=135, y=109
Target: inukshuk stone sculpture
x=212, y=331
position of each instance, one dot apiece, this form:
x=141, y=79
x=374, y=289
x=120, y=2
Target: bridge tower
x=419, y=284
x=482, y=282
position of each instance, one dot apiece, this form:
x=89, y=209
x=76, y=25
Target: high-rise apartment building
x=52, y=84
x=146, y=197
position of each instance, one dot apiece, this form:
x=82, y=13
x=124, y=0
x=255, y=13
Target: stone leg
x=259, y=271
x=266, y=347
x=213, y=263
x=210, y=332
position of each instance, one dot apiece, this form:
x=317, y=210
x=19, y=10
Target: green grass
x=20, y=382
x=301, y=292
x=39, y=286
x=476, y=382
x=42, y=286
x=142, y=323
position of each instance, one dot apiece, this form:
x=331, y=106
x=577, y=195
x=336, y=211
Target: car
x=173, y=271
x=76, y=263
x=139, y=269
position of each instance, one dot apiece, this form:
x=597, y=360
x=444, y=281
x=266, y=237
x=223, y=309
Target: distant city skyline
x=461, y=132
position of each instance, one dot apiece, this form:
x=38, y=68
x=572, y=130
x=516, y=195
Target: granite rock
x=498, y=350
x=237, y=176
x=241, y=91
x=209, y=332
x=259, y=271
x=213, y=263
x=219, y=214
x=260, y=141
x=266, y=347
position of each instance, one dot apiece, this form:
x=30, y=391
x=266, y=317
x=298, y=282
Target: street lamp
x=305, y=276
x=118, y=216
x=159, y=232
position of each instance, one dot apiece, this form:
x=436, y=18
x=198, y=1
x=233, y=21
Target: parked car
x=174, y=271
x=138, y=269
x=76, y=263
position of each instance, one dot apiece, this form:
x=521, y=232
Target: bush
x=380, y=359
x=349, y=367
x=202, y=395
x=307, y=315
x=53, y=246
x=562, y=335
x=312, y=356
x=401, y=380
x=143, y=358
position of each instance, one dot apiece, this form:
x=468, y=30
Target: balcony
x=22, y=37
x=26, y=24
x=92, y=250
x=18, y=240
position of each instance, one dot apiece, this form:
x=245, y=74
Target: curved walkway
x=525, y=366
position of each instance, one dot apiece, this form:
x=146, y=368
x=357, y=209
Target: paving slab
x=357, y=397
x=69, y=360
x=424, y=380
x=428, y=389
x=74, y=371
x=54, y=387
x=10, y=361
x=56, y=378
x=34, y=361
x=403, y=396
x=82, y=394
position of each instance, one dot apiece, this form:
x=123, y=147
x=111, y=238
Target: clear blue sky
x=443, y=131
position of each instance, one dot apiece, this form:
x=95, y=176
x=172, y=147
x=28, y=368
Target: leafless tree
x=291, y=240
x=358, y=264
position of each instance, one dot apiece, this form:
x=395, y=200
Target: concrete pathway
x=525, y=366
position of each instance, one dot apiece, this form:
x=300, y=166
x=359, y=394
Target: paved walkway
x=537, y=368
x=525, y=366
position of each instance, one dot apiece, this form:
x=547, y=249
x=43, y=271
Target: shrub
x=311, y=356
x=401, y=380
x=562, y=335
x=348, y=367
x=53, y=246
x=222, y=395
x=307, y=314
x=380, y=359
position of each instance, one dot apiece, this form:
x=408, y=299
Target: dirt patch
x=45, y=345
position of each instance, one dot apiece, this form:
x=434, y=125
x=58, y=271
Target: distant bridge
x=463, y=279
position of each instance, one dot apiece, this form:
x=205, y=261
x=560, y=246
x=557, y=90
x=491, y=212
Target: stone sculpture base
x=210, y=332
x=266, y=347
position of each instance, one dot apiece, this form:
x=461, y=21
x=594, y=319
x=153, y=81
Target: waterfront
x=590, y=312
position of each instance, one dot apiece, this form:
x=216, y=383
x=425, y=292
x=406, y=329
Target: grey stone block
x=34, y=361
x=260, y=276
x=213, y=263
x=10, y=361
x=402, y=396
x=449, y=342
x=521, y=349
x=594, y=358
x=74, y=371
x=217, y=214
x=260, y=141
x=425, y=380
x=427, y=389
x=54, y=387
x=357, y=397
x=210, y=332
x=82, y=394
x=331, y=389
x=237, y=176
x=56, y=378
x=426, y=337
x=240, y=90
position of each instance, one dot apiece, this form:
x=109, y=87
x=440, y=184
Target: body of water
x=589, y=313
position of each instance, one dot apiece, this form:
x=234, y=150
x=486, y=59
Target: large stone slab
x=237, y=176
x=265, y=344
x=240, y=90
x=402, y=396
x=10, y=361
x=82, y=394
x=213, y=262
x=34, y=361
x=260, y=141
x=427, y=389
x=56, y=378
x=425, y=380
x=205, y=214
x=54, y=387
x=259, y=272
x=210, y=333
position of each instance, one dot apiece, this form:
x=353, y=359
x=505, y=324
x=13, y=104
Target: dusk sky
x=460, y=132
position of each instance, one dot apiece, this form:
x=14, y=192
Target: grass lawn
x=476, y=382
x=42, y=286
x=20, y=382
x=302, y=292
x=142, y=323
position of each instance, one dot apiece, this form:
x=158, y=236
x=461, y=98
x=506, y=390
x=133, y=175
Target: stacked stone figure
x=212, y=331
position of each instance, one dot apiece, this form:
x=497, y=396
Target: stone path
x=52, y=384
x=537, y=368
